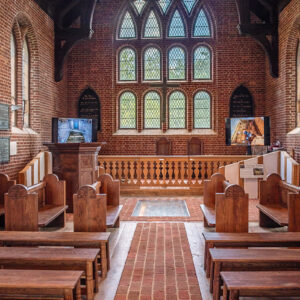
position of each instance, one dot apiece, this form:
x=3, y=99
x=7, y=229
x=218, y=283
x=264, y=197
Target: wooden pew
x=40, y=283
x=259, y=284
x=98, y=240
x=43, y=204
x=279, y=204
x=236, y=240
x=250, y=260
x=5, y=184
x=225, y=205
x=54, y=259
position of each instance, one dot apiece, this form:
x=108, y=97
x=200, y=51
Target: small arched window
x=127, y=111
x=25, y=83
x=127, y=28
x=152, y=111
x=177, y=64
x=176, y=28
x=152, y=64
x=202, y=110
x=189, y=4
x=201, y=26
x=139, y=5
x=298, y=85
x=13, y=74
x=202, y=63
x=152, y=28
x=164, y=5
x=127, y=64
x=177, y=110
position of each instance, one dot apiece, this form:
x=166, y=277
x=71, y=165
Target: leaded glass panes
x=164, y=4
x=189, y=4
x=127, y=65
x=176, y=63
x=139, y=5
x=127, y=111
x=176, y=28
x=13, y=78
x=177, y=110
x=152, y=64
x=25, y=83
x=152, y=29
x=152, y=110
x=127, y=29
x=201, y=27
x=202, y=63
x=202, y=104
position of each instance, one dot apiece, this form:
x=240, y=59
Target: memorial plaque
x=241, y=103
x=89, y=106
x=4, y=149
x=4, y=117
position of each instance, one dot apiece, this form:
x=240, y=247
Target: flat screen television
x=254, y=131
x=72, y=130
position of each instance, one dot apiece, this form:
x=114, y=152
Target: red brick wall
x=48, y=99
x=237, y=60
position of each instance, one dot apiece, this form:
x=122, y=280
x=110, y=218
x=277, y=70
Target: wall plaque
x=4, y=149
x=89, y=106
x=4, y=116
x=241, y=103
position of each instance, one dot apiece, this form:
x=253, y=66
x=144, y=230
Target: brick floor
x=159, y=265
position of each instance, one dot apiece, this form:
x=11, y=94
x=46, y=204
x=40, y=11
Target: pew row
x=43, y=204
x=5, y=184
x=279, y=204
x=225, y=205
x=40, y=284
x=97, y=240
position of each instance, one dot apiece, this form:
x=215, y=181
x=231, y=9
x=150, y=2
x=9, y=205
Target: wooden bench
x=250, y=260
x=43, y=204
x=40, y=284
x=98, y=240
x=279, y=204
x=259, y=284
x=54, y=259
x=234, y=240
x=5, y=184
x=225, y=205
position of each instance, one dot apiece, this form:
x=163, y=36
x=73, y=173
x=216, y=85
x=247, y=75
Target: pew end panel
x=5, y=184
x=111, y=188
x=294, y=212
x=211, y=187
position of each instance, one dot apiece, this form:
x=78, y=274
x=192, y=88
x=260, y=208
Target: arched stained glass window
x=152, y=64
x=127, y=111
x=202, y=63
x=164, y=4
x=139, y=5
x=202, y=110
x=176, y=28
x=13, y=73
x=177, y=108
x=152, y=28
x=176, y=64
x=127, y=65
x=127, y=29
x=189, y=4
x=25, y=83
x=201, y=26
x=152, y=110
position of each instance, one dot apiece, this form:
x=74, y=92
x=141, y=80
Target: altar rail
x=136, y=172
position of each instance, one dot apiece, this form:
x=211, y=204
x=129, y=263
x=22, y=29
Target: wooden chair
x=163, y=146
x=43, y=204
x=5, y=184
x=279, y=204
x=195, y=146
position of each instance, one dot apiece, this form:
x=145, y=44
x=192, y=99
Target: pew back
x=5, y=184
x=111, y=188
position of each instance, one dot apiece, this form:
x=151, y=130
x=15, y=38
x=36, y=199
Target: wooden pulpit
x=76, y=163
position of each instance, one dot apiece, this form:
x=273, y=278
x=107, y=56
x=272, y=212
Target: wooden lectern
x=76, y=163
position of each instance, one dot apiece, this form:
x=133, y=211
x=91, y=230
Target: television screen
x=252, y=131
x=71, y=130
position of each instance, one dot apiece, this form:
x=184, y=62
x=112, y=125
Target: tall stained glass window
x=127, y=111
x=25, y=83
x=164, y=4
x=201, y=26
x=127, y=64
x=152, y=29
x=127, y=29
x=202, y=63
x=176, y=64
x=139, y=5
x=13, y=73
x=189, y=4
x=176, y=28
x=202, y=109
x=152, y=110
x=177, y=108
x=152, y=64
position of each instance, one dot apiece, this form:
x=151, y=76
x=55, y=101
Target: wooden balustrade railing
x=164, y=171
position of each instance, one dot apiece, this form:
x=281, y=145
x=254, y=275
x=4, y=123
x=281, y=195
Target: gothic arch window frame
x=128, y=9
x=209, y=18
x=26, y=123
x=185, y=112
x=170, y=15
x=14, y=76
x=212, y=57
x=119, y=109
x=189, y=13
x=211, y=108
x=144, y=16
x=144, y=108
x=175, y=45
x=119, y=50
x=148, y=46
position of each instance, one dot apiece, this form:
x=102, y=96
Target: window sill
x=295, y=131
x=24, y=131
x=168, y=132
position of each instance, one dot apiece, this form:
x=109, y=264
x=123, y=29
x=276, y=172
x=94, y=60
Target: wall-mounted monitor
x=254, y=131
x=71, y=130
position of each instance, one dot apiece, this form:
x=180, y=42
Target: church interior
x=150, y=149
